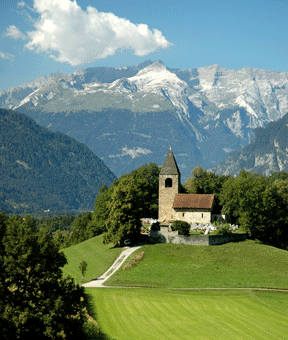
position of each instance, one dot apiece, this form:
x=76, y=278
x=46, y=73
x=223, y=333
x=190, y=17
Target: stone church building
x=173, y=205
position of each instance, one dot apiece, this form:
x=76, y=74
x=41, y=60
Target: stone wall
x=193, y=215
x=165, y=236
x=220, y=239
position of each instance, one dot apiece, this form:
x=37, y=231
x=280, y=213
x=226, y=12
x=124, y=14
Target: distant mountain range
x=267, y=153
x=43, y=170
x=130, y=115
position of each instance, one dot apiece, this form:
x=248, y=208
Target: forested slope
x=41, y=170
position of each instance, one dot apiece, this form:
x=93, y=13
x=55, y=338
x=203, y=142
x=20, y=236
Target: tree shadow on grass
x=91, y=328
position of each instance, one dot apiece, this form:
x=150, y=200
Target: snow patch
x=242, y=103
x=135, y=152
x=227, y=150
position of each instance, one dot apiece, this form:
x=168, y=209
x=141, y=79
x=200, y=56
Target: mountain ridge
x=267, y=153
x=216, y=109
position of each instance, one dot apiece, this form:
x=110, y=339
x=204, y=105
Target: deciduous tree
x=251, y=201
x=36, y=302
x=123, y=221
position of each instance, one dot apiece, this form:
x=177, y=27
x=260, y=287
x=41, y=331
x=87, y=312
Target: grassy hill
x=161, y=313
x=99, y=258
x=242, y=264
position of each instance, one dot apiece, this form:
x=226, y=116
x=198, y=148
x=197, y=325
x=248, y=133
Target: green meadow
x=234, y=264
x=147, y=314
x=99, y=258
x=163, y=306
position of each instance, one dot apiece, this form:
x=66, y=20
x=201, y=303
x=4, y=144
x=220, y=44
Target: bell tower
x=169, y=186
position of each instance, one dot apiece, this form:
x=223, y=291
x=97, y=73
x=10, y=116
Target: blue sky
x=39, y=37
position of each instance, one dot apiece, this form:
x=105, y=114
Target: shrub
x=155, y=226
x=135, y=260
x=182, y=227
x=224, y=229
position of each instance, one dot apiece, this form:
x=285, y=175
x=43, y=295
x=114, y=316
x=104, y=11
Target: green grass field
x=163, y=313
x=239, y=264
x=139, y=314
x=99, y=258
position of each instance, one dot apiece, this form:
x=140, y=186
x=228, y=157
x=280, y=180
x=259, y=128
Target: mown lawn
x=147, y=314
x=239, y=264
x=99, y=258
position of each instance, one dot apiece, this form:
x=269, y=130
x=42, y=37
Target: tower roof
x=170, y=166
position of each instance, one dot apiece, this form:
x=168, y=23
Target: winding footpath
x=115, y=266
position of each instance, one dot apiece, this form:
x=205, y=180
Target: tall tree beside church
x=204, y=182
x=100, y=214
x=147, y=182
x=123, y=221
x=251, y=201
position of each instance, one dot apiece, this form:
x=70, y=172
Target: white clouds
x=6, y=56
x=14, y=33
x=79, y=37
x=21, y=4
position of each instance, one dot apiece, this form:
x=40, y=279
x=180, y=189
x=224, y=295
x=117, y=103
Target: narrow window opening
x=202, y=215
x=168, y=183
x=183, y=214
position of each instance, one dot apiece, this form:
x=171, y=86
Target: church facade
x=174, y=205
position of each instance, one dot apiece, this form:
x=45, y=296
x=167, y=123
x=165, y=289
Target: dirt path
x=115, y=266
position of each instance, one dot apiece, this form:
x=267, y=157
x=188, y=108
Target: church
x=174, y=205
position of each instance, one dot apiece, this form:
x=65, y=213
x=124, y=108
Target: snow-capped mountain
x=131, y=115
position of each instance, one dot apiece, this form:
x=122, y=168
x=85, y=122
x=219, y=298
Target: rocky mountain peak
x=214, y=109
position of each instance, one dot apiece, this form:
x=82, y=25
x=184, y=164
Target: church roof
x=170, y=166
x=196, y=201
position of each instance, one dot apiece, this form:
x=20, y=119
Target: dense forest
x=43, y=170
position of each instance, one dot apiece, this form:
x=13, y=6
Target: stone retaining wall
x=165, y=236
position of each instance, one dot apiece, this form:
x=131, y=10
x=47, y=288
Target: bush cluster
x=135, y=260
x=224, y=229
x=155, y=226
x=182, y=227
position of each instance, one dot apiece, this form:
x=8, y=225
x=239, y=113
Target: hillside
x=130, y=115
x=267, y=153
x=99, y=258
x=155, y=312
x=42, y=170
x=231, y=265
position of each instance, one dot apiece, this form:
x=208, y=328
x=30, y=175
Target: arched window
x=168, y=183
